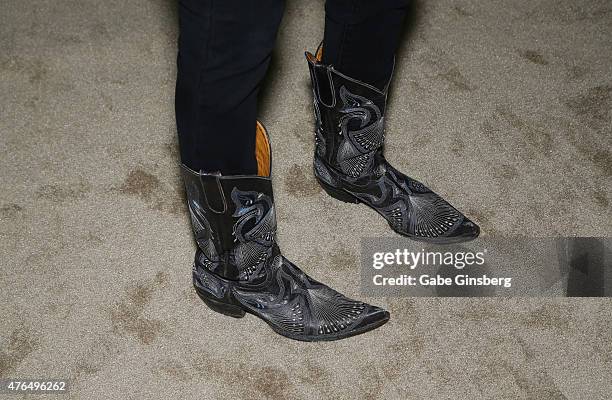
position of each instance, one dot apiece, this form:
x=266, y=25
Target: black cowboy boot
x=239, y=268
x=350, y=165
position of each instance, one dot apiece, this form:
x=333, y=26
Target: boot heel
x=338, y=194
x=221, y=307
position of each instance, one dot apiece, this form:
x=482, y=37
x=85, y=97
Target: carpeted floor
x=503, y=107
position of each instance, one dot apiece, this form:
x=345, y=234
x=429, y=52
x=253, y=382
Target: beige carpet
x=503, y=107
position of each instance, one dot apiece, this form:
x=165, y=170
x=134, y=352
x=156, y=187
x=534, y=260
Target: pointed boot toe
x=468, y=230
x=374, y=317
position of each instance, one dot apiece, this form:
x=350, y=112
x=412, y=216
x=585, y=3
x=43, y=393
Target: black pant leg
x=362, y=36
x=224, y=52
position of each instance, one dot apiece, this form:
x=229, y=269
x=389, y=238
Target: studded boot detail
x=350, y=165
x=239, y=268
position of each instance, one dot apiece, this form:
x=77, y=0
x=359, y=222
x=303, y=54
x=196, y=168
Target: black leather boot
x=350, y=165
x=239, y=268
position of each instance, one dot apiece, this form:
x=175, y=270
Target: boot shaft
x=234, y=222
x=233, y=217
x=349, y=118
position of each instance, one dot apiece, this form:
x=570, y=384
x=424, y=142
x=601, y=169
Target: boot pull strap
x=322, y=82
x=208, y=187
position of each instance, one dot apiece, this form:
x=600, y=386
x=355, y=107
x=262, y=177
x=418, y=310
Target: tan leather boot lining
x=262, y=150
x=319, y=55
x=315, y=59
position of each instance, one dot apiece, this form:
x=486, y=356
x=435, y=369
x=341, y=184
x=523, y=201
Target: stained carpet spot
x=530, y=377
x=93, y=360
x=84, y=368
x=172, y=149
x=271, y=382
x=457, y=146
x=10, y=210
x=533, y=56
x=312, y=373
x=34, y=70
x=370, y=384
x=176, y=370
x=156, y=195
x=593, y=107
x=462, y=11
x=602, y=160
x=576, y=72
x=304, y=131
x=21, y=344
x=566, y=13
x=140, y=183
x=456, y=80
x=161, y=278
x=536, y=384
x=506, y=171
x=93, y=239
x=172, y=202
x=593, y=149
x=59, y=193
x=601, y=198
x=98, y=31
x=300, y=182
x=59, y=308
x=538, y=138
x=548, y=316
x=127, y=317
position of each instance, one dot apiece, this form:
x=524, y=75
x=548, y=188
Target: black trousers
x=224, y=52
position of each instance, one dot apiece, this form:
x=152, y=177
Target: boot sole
x=346, y=197
x=236, y=311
